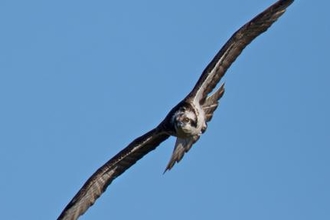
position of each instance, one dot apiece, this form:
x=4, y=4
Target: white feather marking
x=207, y=81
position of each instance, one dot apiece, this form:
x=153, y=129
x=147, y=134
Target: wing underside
x=101, y=179
x=216, y=69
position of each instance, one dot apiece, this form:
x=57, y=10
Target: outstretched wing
x=101, y=179
x=218, y=67
x=233, y=48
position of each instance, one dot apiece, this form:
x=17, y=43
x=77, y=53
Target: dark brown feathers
x=216, y=69
x=101, y=179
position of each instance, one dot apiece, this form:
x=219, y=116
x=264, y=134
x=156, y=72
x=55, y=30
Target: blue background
x=79, y=80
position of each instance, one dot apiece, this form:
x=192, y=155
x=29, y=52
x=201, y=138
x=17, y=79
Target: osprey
x=186, y=121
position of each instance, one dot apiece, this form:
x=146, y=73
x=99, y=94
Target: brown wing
x=217, y=68
x=101, y=179
x=233, y=48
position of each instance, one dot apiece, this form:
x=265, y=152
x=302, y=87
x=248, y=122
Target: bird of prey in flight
x=186, y=121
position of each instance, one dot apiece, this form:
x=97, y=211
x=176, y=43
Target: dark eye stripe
x=193, y=123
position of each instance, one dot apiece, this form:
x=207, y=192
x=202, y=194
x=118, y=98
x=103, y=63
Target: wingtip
x=284, y=4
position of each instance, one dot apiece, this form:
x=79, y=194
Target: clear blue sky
x=79, y=80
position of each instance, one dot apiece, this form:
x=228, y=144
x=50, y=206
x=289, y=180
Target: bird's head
x=185, y=122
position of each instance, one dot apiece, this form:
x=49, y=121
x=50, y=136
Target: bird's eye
x=186, y=120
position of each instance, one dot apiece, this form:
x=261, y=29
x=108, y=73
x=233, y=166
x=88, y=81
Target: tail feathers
x=182, y=146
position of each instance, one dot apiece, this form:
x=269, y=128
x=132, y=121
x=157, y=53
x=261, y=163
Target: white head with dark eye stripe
x=185, y=122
